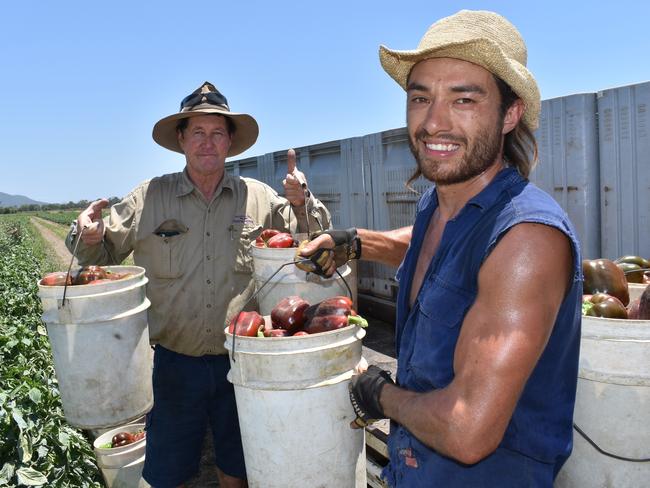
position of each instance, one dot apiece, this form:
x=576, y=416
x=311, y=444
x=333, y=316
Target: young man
x=488, y=310
x=192, y=232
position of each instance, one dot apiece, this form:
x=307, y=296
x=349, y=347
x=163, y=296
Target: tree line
x=33, y=207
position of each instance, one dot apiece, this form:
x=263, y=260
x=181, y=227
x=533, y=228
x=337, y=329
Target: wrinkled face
x=205, y=142
x=453, y=118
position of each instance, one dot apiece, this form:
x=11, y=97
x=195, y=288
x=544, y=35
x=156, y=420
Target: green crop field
x=64, y=217
x=38, y=447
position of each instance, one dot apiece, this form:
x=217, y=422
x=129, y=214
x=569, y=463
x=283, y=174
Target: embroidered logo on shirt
x=242, y=219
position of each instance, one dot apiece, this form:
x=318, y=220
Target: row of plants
x=59, y=217
x=38, y=447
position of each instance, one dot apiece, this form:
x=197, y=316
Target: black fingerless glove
x=347, y=246
x=348, y=240
x=365, y=390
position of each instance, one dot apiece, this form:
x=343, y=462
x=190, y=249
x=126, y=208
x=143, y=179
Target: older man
x=192, y=232
x=488, y=310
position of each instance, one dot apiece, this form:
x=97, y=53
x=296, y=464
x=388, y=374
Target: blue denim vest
x=538, y=438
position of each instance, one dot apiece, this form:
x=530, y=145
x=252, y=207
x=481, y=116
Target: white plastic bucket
x=127, y=476
x=100, y=346
x=612, y=405
x=294, y=409
x=121, y=466
x=116, y=457
x=291, y=280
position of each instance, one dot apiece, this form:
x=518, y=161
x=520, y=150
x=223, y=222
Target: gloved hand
x=347, y=246
x=365, y=390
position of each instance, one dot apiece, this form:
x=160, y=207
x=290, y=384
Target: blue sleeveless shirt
x=538, y=438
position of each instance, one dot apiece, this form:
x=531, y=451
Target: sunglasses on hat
x=212, y=98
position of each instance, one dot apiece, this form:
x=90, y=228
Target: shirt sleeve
x=119, y=235
x=293, y=218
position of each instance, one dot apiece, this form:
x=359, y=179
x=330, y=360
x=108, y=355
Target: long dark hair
x=519, y=145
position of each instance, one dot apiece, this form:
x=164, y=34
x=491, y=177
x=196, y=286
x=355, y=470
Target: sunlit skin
x=205, y=142
x=456, y=135
x=454, y=123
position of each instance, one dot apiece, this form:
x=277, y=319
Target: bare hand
x=90, y=220
x=295, y=183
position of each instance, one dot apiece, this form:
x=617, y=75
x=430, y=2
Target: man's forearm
x=386, y=247
x=444, y=420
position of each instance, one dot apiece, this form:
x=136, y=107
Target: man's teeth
x=442, y=147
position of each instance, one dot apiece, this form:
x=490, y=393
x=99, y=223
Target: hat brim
x=245, y=135
x=482, y=52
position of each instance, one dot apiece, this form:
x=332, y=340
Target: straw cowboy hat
x=483, y=38
x=206, y=100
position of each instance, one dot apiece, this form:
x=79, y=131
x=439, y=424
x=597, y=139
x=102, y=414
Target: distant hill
x=7, y=200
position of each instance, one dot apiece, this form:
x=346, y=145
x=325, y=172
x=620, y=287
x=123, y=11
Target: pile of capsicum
x=275, y=239
x=294, y=316
x=605, y=288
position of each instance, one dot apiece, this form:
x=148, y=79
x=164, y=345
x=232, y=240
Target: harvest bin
x=294, y=409
x=100, y=346
x=612, y=405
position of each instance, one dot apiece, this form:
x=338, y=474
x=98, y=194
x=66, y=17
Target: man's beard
x=480, y=157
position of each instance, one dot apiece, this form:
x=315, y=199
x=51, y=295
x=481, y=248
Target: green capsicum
x=633, y=272
x=634, y=267
x=603, y=276
x=642, y=262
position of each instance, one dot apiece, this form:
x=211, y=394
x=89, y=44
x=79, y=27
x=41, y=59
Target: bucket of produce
x=120, y=455
x=612, y=418
x=276, y=279
x=97, y=327
x=291, y=387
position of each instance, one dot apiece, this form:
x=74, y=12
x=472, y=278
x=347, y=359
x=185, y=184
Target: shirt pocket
x=244, y=236
x=442, y=309
x=163, y=250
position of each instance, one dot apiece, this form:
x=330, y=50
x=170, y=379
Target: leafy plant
x=38, y=447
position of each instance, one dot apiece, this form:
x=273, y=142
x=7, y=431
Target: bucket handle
x=254, y=295
x=604, y=452
x=74, y=253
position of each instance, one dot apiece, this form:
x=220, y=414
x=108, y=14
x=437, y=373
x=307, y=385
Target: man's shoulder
x=164, y=182
x=533, y=200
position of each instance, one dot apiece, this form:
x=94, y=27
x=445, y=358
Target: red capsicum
x=265, y=236
x=288, y=314
x=604, y=276
x=281, y=240
x=246, y=324
x=333, y=313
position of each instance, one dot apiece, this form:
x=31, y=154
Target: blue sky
x=83, y=83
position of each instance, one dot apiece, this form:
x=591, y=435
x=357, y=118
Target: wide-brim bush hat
x=480, y=37
x=206, y=100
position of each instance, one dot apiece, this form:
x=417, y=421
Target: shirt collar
x=186, y=186
x=503, y=180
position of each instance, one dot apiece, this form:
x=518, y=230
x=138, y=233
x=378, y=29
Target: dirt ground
x=56, y=243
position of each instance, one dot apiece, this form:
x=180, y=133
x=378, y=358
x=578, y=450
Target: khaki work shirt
x=196, y=253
